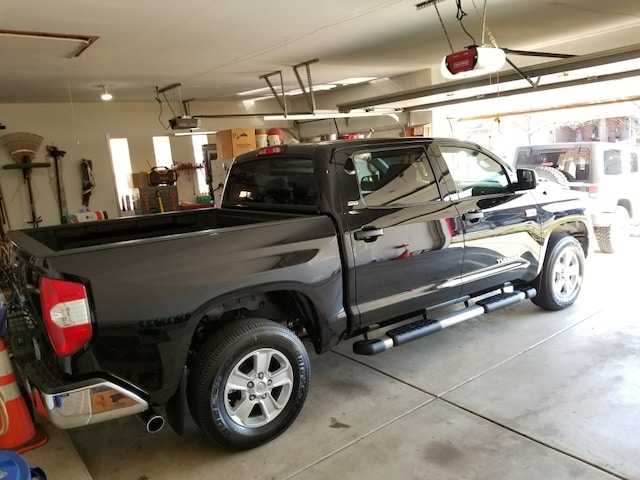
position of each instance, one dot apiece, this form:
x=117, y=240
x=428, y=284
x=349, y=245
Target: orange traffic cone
x=17, y=431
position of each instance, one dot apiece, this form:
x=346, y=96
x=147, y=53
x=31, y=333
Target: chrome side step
x=423, y=326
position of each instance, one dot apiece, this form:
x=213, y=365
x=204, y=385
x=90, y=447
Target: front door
x=501, y=227
x=405, y=241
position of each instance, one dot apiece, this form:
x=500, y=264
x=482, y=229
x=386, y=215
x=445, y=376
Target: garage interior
x=518, y=394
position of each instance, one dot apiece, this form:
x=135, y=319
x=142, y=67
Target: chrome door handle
x=473, y=216
x=368, y=233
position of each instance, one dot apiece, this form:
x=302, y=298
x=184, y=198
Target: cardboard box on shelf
x=419, y=131
x=231, y=143
x=139, y=179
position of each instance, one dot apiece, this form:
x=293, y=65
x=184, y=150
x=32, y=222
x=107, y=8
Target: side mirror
x=527, y=179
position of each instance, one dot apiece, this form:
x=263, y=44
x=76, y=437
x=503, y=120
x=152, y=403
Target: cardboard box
x=139, y=179
x=419, y=130
x=233, y=142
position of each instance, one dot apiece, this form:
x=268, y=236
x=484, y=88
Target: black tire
x=615, y=237
x=560, y=280
x=248, y=383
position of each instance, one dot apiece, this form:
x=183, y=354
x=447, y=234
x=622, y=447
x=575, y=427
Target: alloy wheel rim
x=258, y=387
x=566, y=275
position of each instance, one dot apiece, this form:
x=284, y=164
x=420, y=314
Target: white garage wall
x=82, y=131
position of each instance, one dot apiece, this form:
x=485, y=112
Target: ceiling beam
x=519, y=91
x=564, y=65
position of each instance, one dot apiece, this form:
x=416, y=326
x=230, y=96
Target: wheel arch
x=559, y=289
x=291, y=307
x=578, y=229
x=626, y=203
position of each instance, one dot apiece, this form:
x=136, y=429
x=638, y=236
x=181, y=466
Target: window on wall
x=198, y=141
x=122, y=169
x=121, y=162
x=162, y=151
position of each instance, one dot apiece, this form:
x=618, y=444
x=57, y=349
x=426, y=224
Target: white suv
x=607, y=172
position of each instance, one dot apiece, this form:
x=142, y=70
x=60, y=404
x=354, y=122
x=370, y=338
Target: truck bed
x=59, y=238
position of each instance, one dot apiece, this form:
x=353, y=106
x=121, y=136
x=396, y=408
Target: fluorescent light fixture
x=472, y=62
x=257, y=91
x=353, y=81
x=315, y=88
x=188, y=134
x=265, y=92
x=328, y=114
x=106, y=96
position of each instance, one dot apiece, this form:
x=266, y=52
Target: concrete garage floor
x=519, y=394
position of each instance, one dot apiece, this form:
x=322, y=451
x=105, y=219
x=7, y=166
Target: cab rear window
x=268, y=182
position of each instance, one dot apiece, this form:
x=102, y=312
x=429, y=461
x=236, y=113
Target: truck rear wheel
x=560, y=280
x=248, y=383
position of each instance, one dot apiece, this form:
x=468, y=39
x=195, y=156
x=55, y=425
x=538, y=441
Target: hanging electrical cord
x=484, y=18
x=459, y=16
x=435, y=5
x=485, y=29
x=497, y=117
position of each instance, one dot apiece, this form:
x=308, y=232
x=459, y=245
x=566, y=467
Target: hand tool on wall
x=88, y=183
x=56, y=154
x=22, y=146
x=5, y=226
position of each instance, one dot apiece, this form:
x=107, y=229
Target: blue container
x=14, y=467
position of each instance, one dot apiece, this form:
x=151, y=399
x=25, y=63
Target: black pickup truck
x=381, y=240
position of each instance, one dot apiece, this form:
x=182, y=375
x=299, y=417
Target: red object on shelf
x=188, y=166
x=194, y=206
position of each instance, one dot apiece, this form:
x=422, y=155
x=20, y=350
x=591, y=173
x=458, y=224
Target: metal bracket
x=308, y=95
x=186, y=108
x=521, y=73
x=307, y=91
x=281, y=101
x=162, y=91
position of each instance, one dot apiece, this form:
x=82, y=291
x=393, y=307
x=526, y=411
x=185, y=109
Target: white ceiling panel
x=218, y=48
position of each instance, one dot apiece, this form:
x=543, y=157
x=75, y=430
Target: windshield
x=268, y=182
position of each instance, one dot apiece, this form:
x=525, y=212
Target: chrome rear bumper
x=94, y=402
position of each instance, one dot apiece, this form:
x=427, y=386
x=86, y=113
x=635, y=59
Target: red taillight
x=593, y=191
x=271, y=150
x=66, y=314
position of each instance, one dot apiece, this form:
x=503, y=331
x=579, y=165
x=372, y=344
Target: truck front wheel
x=560, y=280
x=248, y=383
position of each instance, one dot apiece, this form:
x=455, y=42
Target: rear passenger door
x=404, y=242
x=501, y=227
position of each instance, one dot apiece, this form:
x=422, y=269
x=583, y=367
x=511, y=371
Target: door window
x=394, y=178
x=474, y=173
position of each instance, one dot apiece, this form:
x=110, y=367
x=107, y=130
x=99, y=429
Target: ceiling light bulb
x=106, y=96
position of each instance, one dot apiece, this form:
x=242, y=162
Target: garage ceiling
x=216, y=49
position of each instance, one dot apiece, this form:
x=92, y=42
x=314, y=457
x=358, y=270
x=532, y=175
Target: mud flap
x=176, y=406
